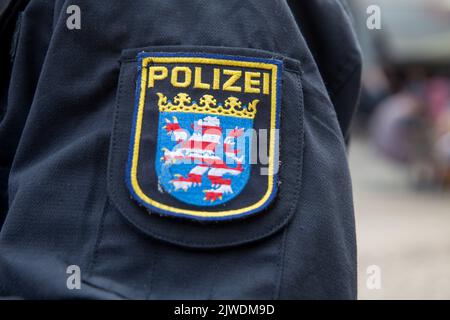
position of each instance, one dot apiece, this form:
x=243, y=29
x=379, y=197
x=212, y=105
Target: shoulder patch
x=204, y=138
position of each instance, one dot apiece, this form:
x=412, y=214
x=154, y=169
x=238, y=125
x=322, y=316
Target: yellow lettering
x=216, y=80
x=222, y=79
x=156, y=73
x=198, y=79
x=266, y=82
x=187, y=77
x=235, y=75
x=251, y=82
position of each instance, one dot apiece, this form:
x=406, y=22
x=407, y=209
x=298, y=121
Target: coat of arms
x=198, y=161
x=196, y=120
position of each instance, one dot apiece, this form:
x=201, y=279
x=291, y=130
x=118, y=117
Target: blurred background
x=400, y=150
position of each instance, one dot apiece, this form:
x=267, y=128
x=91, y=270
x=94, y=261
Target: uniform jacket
x=66, y=113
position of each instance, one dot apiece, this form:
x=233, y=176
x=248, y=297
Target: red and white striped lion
x=201, y=148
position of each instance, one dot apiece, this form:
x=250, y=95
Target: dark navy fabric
x=63, y=132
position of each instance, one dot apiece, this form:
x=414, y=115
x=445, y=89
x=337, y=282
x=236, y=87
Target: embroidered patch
x=198, y=119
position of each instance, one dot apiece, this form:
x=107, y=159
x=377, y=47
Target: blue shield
x=203, y=159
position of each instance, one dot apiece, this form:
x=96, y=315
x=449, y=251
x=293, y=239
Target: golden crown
x=232, y=106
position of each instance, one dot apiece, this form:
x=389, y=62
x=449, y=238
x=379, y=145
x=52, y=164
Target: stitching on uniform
x=188, y=49
x=293, y=71
x=327, y=127
x=99, y=240
x=127, y=60
x=283, y=241
x=203, y=243
x=96, y=286
x=280, y=264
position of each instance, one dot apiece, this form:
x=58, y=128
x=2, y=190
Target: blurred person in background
x=405, y=97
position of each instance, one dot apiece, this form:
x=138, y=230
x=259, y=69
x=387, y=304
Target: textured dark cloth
x=60, y=112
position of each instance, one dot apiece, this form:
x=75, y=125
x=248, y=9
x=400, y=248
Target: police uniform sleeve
x=25, y=28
